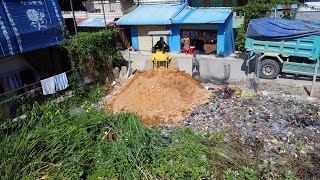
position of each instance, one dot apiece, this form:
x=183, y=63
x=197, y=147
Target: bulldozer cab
x=160, y=57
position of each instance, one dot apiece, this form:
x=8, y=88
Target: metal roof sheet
x=202, y=16
x=93, y=22
x=151, y=15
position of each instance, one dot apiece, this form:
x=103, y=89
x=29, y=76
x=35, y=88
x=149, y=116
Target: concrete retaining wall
x=209, y=65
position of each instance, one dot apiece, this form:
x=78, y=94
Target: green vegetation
x=93, y=54
x=52, y=144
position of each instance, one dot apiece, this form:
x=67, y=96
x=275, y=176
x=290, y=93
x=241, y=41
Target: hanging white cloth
x=61, y=81
x=48, y=86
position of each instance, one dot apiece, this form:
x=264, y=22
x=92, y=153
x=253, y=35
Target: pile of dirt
x=160, y=96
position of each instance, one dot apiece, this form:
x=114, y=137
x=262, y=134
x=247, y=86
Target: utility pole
x=104, y=14
x=74, y=19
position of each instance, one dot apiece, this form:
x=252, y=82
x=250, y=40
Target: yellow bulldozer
x=160, y=57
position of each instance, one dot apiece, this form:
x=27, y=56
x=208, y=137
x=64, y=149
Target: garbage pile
x=276, y=120
x=160, y=96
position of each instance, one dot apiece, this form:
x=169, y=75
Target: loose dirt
x=160, y=96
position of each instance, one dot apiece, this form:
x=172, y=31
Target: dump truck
x=286, y=47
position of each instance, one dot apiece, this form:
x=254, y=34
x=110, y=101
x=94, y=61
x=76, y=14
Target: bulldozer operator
x=161, y=45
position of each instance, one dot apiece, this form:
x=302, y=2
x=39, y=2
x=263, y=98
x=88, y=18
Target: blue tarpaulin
x=29, y=25
x=279, y=28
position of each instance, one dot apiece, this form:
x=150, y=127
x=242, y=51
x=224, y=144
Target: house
x=209, y=25
x=147, y=18
x=97, y=14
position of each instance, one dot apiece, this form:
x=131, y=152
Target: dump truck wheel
x=269, y=69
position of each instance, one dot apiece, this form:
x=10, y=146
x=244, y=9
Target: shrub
x=91, y=53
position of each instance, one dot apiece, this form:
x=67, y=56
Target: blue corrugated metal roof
x=94, y=22
x=151, y=14
x=202, y=16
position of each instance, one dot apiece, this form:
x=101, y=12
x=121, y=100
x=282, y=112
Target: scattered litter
x=312, y=99
x=247, y=93
x=22, y=117
x=276, y=120
x=264, y=93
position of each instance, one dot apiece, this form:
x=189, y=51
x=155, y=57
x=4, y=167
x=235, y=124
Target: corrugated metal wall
x=145, y=41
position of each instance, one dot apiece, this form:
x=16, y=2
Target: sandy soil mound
x=160, y=96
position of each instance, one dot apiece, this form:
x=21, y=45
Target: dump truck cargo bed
x=308, y=47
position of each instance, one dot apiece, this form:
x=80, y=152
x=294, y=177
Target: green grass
x=58, y=146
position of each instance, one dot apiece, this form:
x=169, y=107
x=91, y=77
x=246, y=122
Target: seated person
x=161, y=44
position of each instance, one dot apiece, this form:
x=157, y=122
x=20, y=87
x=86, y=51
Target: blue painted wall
x=134, y=37
x=169, y=38
x=221, y=38
x=175, y=39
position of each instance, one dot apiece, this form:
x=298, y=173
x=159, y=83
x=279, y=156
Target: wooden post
x=314, y=78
